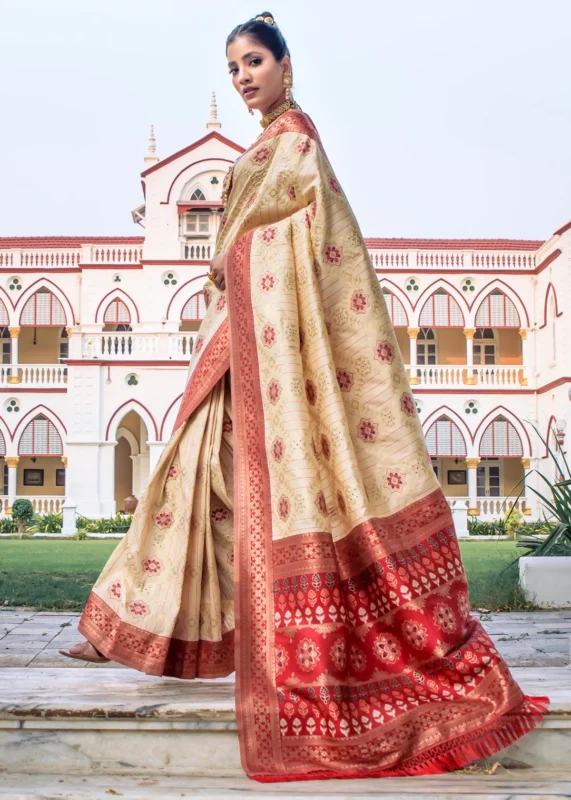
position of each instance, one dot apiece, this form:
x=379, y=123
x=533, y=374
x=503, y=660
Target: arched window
x=43, y=310
x=194, y=308
x=484, y=346
x=40, y=438
x=117, y=313
x=501, y=440
x=426, y=347
x=198, y=194
x=2, y=445
x=4, y=318
x=441, y=311
x=497, y=311
x=6, y=340
x=396, y=310
x=444, y=439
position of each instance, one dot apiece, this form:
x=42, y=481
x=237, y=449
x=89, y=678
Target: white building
x=96, y=335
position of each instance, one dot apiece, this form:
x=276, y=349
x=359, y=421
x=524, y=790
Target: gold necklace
x=267, y=119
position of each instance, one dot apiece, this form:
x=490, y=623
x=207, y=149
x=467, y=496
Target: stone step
x=120, y=722
x=512, y=785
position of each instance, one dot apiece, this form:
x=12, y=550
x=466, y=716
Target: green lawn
x=48, y=574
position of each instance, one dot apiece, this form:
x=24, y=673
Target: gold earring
x=288, y=84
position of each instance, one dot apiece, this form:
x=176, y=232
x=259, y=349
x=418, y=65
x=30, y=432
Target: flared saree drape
x=294, y=528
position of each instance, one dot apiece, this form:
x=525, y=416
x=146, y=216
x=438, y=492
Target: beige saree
x=294, y=530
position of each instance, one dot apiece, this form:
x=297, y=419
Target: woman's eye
x=254, y=60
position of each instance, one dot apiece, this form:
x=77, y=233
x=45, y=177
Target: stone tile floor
x=33, y=638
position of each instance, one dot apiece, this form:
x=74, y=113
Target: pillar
x=472, y=467
x=14, y=372
x=12, y=464
x=155, y=450
x=69, y=521
x=524, y=355
x=414, y=380
x=470, y=376
x=526, y=464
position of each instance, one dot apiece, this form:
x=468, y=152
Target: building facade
x=96, y=335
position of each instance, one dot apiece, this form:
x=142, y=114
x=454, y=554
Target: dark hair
x=265, y=34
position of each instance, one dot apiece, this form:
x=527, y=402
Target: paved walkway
x=32, y=638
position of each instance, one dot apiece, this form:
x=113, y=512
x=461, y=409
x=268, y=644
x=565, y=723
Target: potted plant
x=545, y=572
x=22, y=513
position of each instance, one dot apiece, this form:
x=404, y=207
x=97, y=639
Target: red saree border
x=374, y=538
x=150, y=653
x=211, y=366
x=256, y=701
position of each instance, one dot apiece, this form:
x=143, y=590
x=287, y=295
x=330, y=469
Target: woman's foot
x=85, y=651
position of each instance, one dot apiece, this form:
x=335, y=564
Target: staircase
x=100, y=733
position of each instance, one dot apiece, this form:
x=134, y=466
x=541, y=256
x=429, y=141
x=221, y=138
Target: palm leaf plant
x=556, y=508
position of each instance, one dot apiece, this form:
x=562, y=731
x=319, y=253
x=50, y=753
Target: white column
x=524, y=356
x=69, y=524
x=155, y=450
x=470, y=376
x=528, y=497
x=472, y=467
x=460, y=518
x=14, y=334
x=12, y=464
x=14, y=372
x=414, y=380
x=107, y=479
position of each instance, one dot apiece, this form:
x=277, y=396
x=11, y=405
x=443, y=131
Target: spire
x=151, y=157
x=213, y=124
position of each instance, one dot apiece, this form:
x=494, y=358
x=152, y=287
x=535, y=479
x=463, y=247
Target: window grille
x=441, y=311
x=198, y=194
x=4, y=319
x=501, y=439
x=2, y=445
x=40, y=438
x=396, y=310
x=116, y=312
x=497, y=311
x=43, y=310
x=194, y=308
x=444, y=439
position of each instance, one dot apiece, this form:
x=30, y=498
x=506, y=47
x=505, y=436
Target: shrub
x=22, y=512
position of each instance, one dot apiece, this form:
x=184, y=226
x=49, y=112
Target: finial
x=151, y=157
x=213, y=124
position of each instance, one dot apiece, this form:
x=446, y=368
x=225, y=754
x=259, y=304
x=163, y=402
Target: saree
x=294, y=530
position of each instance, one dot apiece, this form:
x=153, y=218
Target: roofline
x=179, y=153
x=453, y=244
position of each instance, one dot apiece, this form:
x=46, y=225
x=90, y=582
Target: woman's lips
x=249, y=92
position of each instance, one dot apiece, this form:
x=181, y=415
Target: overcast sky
x=442, y=118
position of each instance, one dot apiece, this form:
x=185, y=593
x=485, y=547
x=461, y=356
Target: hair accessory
x=210, y=276
x=269, y=20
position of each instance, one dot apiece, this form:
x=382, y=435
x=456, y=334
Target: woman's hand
x=217, y=269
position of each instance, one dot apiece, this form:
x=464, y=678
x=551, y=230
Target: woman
x=294, y=529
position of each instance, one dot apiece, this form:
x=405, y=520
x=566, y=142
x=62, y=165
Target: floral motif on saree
x=294, y=527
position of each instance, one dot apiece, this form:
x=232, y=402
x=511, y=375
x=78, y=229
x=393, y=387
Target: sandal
x=83, y=652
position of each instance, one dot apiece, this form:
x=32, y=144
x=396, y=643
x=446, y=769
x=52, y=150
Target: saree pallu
x=294, y=529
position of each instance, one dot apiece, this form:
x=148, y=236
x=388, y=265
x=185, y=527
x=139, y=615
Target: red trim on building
x=547, y=261
x=194, y=146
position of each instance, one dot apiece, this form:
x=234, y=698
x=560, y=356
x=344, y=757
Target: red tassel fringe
x=456, y=754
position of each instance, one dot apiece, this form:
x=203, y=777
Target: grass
x=59, y=575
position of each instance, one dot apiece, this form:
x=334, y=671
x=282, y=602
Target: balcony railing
x=446, y=376
x=42, y=504
x=42, y=376
x=138, y=346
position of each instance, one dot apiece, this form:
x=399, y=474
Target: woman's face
x=256, y=74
